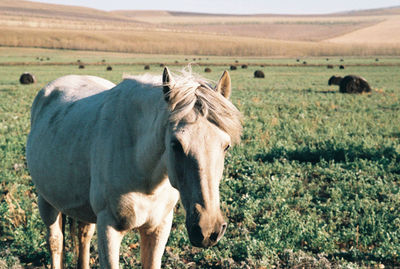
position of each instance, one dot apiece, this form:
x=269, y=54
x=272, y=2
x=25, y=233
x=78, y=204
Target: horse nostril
x=214, y=237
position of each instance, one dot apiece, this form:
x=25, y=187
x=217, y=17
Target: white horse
x=120, y=157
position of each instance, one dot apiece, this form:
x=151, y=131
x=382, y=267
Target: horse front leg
x=85, y=234
x=109, y=240
x=153, y=241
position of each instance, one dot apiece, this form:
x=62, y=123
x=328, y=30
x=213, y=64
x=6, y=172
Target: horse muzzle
x=203, y=237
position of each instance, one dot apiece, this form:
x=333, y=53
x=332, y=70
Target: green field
x=314, y=183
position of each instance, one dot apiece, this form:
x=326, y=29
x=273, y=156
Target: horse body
x=113, y=156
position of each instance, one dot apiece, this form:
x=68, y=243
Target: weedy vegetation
x=314, y=182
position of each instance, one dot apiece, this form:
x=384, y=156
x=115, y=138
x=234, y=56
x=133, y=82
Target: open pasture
x=314, y=183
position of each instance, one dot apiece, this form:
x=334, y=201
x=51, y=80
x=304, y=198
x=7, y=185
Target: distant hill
x=25, y=23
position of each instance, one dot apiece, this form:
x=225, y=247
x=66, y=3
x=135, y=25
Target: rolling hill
x=33, y=24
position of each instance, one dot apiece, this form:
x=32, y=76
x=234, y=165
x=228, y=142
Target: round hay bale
x=334, y=80
x=81, y=66
x=341, y=67
x=259, y=74
x=354, y=84
x=27, y=78
x=109, y=68
x=244, y=66
x=147, y=67
x=233, y=67
x=207, y=70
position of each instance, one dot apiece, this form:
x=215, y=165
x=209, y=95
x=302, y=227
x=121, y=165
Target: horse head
x=202, y=127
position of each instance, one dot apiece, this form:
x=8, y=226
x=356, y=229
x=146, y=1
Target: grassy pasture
x=314, y=183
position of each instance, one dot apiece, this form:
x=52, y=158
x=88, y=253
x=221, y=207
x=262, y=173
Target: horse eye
x=227, y=147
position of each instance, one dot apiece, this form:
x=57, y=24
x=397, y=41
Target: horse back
x=67, y=89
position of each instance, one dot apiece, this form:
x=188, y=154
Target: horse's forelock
x=190, y=94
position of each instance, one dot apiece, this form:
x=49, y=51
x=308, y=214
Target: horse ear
x=224, y=85
x=166, y=81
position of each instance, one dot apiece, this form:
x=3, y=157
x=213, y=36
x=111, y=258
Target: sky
x=233, y=6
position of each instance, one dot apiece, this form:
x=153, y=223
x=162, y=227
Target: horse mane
x=192, y=93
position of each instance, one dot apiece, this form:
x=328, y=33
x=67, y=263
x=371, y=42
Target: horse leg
x=153, y=241
x=85, y=233
x=53, y=221
x=109, y=240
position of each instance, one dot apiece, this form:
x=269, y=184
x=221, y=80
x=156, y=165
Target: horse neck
x=147, y=116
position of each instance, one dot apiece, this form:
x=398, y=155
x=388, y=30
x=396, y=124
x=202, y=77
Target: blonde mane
x=190, y=93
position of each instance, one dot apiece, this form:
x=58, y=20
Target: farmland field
x=314, y=182
x=32, y=24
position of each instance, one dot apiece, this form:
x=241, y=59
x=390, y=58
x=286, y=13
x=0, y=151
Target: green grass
x=315, y=181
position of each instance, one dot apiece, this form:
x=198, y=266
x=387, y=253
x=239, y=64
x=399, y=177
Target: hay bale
x=354, y=84
x=147, y=67
x=244, y=66
x=81, y=66
x=259, y=74
x=341, y=67
x=27, y=78
x=109, y=68
x=334, y=80
x=207, y=70
x=233, y=67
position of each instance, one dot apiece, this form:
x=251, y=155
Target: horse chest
x=133, y=210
